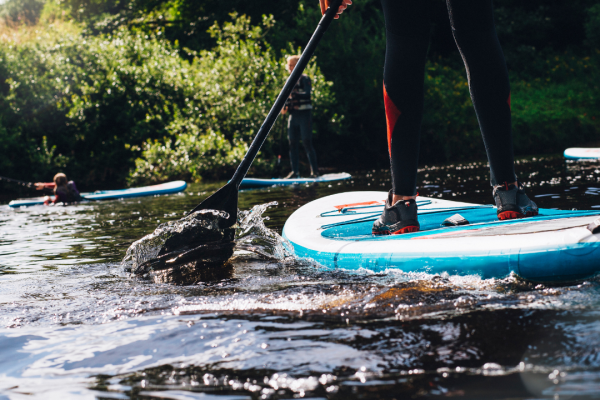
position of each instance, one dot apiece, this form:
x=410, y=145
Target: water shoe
x=292, y=175
x=398, y=218
x=513, y=203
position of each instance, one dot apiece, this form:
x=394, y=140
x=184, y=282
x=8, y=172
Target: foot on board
x=513, y=203
x=292, y=175
x=397, y=219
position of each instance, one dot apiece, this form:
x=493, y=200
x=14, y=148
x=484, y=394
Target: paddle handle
x=263, y=132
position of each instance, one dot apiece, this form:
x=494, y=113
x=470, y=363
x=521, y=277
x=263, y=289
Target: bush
x=93, y=103
x=93, y=98
x=450, y=130
x=592, y=26
x=189, y=156
x=234, y=86
x=21, y=11
x=559, y=109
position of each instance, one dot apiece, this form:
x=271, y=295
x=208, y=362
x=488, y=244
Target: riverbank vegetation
x=140, y=91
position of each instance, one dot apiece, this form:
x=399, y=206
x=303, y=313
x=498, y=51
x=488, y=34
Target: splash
x=149, y=247
x=252, y=235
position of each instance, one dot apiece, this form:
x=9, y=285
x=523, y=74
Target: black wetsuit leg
x=474, y=31
x=300, y=126
x=294, y=140
x=306, y=133
x=407, y=39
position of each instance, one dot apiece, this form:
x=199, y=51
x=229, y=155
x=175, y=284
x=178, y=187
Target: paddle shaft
x=226, y=198
x=28, y=184
x=263, y=132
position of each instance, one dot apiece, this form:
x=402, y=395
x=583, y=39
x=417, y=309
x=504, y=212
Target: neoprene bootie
x=513, y=203
x=398, y=218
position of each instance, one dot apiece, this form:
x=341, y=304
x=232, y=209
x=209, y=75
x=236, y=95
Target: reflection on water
x=75, y=325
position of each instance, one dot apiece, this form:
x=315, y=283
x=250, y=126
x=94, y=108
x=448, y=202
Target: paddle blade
x=224, y=199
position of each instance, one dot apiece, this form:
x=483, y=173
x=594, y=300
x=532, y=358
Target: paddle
x=27, y=184
x=226, y=198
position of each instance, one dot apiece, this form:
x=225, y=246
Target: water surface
x=73, y=324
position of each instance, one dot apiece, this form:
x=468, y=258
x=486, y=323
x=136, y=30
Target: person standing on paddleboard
x=407, y=41
x=300, y=122
x=65, y=191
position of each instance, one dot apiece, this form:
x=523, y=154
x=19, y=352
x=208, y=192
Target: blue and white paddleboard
x=163, y=188
x=248, y=183
x=555, y=246
x=579, y=153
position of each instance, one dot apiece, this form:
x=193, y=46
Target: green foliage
x=232, y=88
x=93, y=103
x=91, y=97
x=450, y=130
x=149, y=90
x=556, y=110
x=94, y=10
x=21, y=11
x=559, y=109
x=189, y=156
x=592, y=26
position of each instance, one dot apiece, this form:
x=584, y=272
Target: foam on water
x=252, y=234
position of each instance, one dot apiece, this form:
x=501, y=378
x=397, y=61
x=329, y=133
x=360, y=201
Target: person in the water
x=407, y=41
x=65, y=191
x=300, y=122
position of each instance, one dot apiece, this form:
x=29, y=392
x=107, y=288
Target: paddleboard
x=163, y=188
x=578, y=153
x=555, y=246
x=248, y=183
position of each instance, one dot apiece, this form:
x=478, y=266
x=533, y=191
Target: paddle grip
x=265, y=128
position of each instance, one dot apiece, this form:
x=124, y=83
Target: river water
x=74, y=324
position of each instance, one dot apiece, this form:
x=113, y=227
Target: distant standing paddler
x=300, y=122
x=65, y=191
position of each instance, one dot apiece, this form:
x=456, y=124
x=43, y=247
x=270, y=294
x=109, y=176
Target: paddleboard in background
x=248, y=183
x=163, y=188
x=579, y=153
x=555, y=246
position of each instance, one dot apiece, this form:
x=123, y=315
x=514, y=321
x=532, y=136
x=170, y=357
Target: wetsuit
x=300, y=125
x=67, y=194
x=407, y=40
x=64, y=194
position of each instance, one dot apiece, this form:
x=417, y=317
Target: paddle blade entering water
x=183, y=251
x=224, y=199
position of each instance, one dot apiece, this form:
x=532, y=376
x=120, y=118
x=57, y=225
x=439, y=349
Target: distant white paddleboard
x=555, y=246
x=248, y=183
x=580, y=153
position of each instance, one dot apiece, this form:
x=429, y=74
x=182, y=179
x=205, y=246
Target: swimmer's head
x=60, y=179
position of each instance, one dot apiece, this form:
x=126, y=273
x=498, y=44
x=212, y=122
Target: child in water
x=65, y=191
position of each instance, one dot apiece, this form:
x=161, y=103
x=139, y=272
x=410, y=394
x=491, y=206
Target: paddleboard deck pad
x=163, y=188
x=577, y=153
x=555, y=246
x=248, y=183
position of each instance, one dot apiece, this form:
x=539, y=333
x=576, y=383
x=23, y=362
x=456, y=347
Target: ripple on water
x=76, y=325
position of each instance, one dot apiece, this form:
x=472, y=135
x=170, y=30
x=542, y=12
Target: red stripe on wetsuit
x=391, y=116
